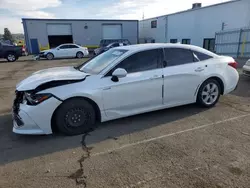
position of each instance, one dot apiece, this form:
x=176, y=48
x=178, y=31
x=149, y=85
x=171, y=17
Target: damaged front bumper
x=28, y=119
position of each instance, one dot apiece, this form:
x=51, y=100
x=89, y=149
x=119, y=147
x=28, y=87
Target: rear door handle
x=199, y=69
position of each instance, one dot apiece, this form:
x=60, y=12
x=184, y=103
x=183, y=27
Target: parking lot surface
x=186, y=146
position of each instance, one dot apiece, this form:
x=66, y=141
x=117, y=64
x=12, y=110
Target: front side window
x=72, y=46
x=64, y=47
x=141, y=61
x=178, y=56
x=100, y=62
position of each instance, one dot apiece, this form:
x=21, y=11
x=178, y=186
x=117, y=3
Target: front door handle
x=155, y=77
x=199, y=69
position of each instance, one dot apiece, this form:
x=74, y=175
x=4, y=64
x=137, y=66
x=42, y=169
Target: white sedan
x=121, y=82
x=246, y=68
x=65, y=51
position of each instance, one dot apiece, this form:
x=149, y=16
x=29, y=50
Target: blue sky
x=11, y=11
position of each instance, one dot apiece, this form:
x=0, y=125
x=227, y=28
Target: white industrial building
x=197, y=25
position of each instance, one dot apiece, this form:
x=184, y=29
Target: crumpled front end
x=33, y=119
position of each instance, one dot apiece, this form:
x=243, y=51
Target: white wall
x=198, y=24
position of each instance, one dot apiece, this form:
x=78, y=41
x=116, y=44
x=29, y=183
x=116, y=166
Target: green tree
x=7, y=35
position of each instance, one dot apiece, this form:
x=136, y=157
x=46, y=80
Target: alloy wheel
x=210, y=93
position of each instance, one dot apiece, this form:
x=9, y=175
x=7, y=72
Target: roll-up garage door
x=113, y=31
x=59, y=34
x=59, y=29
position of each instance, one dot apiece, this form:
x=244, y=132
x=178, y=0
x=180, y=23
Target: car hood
x=48, y=75
x=46, y=51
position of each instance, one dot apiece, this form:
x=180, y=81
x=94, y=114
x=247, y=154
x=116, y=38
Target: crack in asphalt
x=79, y=175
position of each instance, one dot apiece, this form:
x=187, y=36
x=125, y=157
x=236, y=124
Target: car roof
x=149, y=46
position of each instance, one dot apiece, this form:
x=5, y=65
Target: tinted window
x=141, y=61
x=209, y=44
x=154, y=24
x=173, y=40
x=186, y=41
x=64, y=47
x=178, y=56
x=72, y=46
x=115, y=44
x=201, y=56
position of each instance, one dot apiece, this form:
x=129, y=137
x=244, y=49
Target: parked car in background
x=121, y=82
x=10, y=52
x=109, y=46
x=106, y=42
x=246, y=68
x=65, y=51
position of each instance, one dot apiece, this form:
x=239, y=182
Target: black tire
x=50, y=56
x=75, y=116
x=11, y=57
x=201, y=98
x=79, y=55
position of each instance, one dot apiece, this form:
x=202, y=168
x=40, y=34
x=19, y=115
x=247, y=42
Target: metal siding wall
x=235, y=43
x=90, y=37
x=198, y=24
x=227, y=42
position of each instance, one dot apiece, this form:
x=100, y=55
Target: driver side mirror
x=58, y=48
x=118, y=73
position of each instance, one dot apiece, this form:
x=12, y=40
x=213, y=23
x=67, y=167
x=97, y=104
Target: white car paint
x=134, y=94
x=61, y=52
x=246, y=68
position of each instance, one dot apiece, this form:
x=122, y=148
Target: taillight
x=233, y=64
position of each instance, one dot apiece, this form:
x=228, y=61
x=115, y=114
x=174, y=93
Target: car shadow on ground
x=15, y=147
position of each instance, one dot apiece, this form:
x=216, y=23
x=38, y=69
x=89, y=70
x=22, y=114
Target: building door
x=59, y=34
x=209, y=44
x=34, y=46
x=112, y=31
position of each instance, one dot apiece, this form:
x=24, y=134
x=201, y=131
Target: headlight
x=35, y=99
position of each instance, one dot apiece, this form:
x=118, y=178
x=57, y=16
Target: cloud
x=18, y=9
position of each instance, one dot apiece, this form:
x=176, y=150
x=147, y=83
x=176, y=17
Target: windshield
x=100, y=62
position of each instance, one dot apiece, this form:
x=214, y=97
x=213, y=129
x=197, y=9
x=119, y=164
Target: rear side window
x=201, y=56
x=178, y=56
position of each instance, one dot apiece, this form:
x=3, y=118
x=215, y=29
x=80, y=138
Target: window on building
x=173, y=40
x=178, y=56
x=141, y=61
x=154, y=24
x=201, y=56
x=186, y=41
x=209, y=44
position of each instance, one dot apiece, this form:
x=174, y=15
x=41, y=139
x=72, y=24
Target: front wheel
x=50, y=56
x=209, y=93
x=75, y=116
x=11, y=57
x=79, y=55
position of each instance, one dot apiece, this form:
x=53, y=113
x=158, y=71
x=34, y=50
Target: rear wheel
x=75, y=116
x=11, y=57
x=50, y=56
x=209, y=93
x=79, y=55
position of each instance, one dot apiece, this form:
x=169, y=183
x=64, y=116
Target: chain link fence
x=235, y=43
